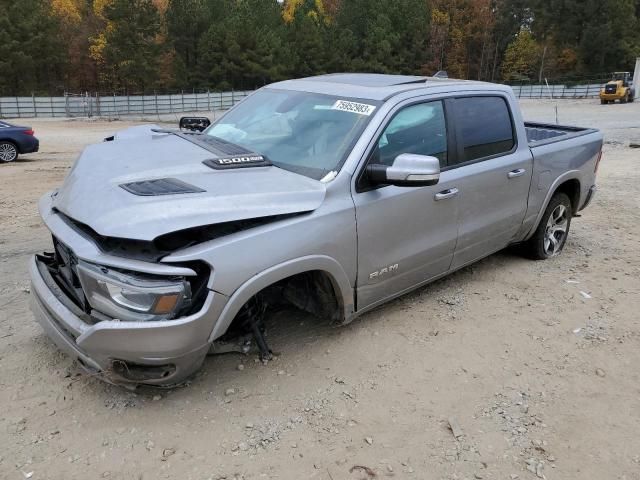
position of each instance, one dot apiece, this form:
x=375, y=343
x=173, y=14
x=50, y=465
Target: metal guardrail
x=115, y=106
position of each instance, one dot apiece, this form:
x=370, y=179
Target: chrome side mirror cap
x=408, y=170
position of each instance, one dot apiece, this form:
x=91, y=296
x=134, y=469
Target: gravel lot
x=536, y=380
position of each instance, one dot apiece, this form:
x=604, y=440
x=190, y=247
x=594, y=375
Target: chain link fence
x=147, y=105
x=115, y=106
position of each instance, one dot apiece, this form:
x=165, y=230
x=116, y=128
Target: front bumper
x=162, y=353
x=611, y=96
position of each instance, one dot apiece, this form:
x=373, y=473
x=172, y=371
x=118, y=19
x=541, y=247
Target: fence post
x=196, y=95
x=233, y=100
x=208, y=101
x=128, y=104
x=586, y=95
x=155, y=96
x=18, y=106
x=33, y=101
x=183, y=101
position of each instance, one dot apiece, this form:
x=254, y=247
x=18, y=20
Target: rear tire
x=625, y=98
x=8, y=152
x=603, y=102
x=553, y=230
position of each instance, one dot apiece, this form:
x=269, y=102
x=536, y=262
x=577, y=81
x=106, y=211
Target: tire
x=553, y=230
x=603, y=102
x=8, y=152
x=625, y=98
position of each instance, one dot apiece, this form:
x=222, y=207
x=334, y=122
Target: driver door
x=406, y=235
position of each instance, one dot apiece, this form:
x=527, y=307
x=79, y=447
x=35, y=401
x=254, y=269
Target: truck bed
x=544, y=133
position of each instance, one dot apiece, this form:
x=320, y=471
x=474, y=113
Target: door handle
x=450, y=193
x=516, y=173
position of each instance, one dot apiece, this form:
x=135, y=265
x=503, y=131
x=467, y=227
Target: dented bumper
x=162, y=353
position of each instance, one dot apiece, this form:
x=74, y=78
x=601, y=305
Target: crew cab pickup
x=333, y=193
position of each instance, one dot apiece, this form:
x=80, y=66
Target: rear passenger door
x=493, y=176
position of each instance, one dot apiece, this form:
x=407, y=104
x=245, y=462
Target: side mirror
x=408, y=170
x=194, y=124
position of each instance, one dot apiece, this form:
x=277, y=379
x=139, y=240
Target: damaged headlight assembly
x=132, y=297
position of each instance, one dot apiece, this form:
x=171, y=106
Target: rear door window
x=485, y=127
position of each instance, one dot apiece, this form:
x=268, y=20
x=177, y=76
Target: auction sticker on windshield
x=353, y=107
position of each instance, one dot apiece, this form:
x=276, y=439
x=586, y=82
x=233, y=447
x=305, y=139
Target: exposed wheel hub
x=556, y=230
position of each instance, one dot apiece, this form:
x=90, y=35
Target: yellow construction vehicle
x=618, y=88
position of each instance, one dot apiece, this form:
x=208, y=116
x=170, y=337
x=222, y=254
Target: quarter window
x=419, y=129
x=485, y=126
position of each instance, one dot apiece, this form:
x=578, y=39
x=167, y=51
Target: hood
x=92, y=193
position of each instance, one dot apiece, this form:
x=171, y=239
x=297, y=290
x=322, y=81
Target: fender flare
x=339, y=279
x=570, y=175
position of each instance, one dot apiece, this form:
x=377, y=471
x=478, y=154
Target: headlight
x=134, y=298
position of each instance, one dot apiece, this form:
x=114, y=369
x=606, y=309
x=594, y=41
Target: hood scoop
x=160, y=186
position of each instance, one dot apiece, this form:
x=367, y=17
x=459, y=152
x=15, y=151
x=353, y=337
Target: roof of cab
x=372, y=86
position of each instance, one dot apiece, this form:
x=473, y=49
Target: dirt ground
x=538, y=381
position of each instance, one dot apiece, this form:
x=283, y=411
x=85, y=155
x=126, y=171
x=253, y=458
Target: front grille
x=62, y=266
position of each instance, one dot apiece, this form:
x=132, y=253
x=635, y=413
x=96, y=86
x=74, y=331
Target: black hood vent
x=160, y=186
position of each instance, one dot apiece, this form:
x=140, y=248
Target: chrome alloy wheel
x=8, y=152
x=556, y=231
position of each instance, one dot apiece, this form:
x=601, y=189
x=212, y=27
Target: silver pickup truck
x=334, y=193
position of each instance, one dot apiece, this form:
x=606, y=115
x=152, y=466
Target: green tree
x=187, y=22
x=307, y=40
x=381, y=36
x=128, y=49
x=604, y=33
x=244, y=49
x=32, y=57
x=521, y=58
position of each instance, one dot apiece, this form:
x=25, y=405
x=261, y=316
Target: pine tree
x=127, y=50
x=32, y=57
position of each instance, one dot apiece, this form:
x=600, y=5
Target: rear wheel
x=603, y=102
x=8, y=152
x=553, y=230
x=625, y=98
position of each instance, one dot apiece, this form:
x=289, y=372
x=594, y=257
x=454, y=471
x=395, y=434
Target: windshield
x=303, y=132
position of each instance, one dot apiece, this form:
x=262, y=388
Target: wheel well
x=8, y=140
x=313, y=291
x=571, y=188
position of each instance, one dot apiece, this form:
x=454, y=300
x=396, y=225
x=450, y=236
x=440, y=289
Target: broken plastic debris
x=585, y=294
x=573, y=281
x=455, y=427
x=577, y=330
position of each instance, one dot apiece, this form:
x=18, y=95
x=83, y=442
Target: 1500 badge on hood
x=240, y=161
